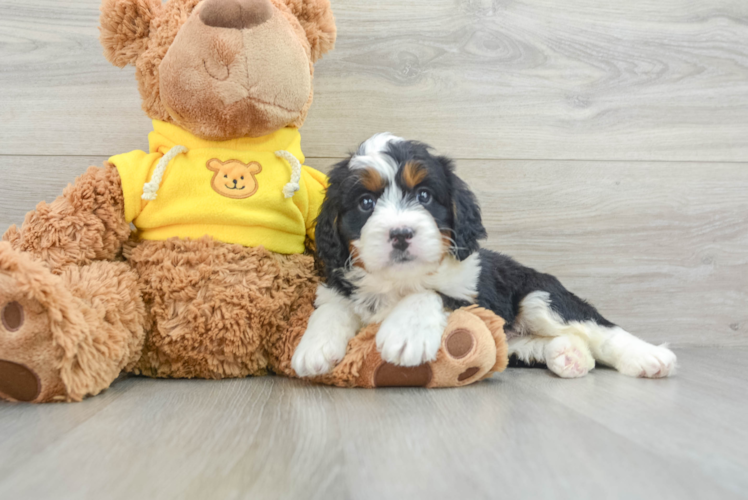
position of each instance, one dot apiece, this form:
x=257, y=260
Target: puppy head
x=395, y=208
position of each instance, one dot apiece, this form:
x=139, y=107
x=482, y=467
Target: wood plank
x=514, y=435
x=681, y=421
x=537, y=79
x=21, y=191
x=659, y=248
x=28, y=431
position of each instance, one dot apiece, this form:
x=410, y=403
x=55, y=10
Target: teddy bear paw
x=17, y=381
x=25, y=372
x=467, y=353
x=29, y=370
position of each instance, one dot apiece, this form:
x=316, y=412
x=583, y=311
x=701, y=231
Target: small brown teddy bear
x=216, y=281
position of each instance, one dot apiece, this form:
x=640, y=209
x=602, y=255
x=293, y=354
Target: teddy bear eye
x=242, y=177
x=225, y=176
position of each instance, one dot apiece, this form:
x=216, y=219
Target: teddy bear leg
x=473, y=347
x=68, y=336
x=87, y=223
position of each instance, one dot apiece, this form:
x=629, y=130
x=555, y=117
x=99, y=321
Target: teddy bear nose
x=236, y=14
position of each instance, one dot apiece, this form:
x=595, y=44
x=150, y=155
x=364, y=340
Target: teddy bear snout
x=235, y=14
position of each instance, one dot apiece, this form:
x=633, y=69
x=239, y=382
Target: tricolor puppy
x=398, y=236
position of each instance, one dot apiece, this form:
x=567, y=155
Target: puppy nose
x=401, y=237
x=236, y=14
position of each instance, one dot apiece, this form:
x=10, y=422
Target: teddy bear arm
x=87, y=223
x=473, y=347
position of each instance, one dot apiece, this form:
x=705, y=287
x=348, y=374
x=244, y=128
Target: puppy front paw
x=647, y=361
x=321, y=348
x=318, y=354
x=410, y=341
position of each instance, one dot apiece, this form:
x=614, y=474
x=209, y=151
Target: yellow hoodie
x=236, y=191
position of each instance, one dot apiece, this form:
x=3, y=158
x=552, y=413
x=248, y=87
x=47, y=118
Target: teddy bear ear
x=318, y=22
x=125, y=26
x=214, y=165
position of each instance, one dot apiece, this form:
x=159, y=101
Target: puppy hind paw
x=567, y=360
x=648, y=361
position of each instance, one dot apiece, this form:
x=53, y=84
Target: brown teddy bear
x=216, y=281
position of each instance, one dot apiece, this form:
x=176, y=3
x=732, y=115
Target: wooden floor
x=522, y=434
x=608, y=145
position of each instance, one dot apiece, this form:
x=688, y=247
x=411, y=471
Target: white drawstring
x=150, y=190
x=290, y=189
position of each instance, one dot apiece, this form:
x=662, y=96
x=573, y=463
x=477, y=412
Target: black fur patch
x=503, y=283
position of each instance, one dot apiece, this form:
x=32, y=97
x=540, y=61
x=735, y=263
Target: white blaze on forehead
x=378, y=143
x=372, y=154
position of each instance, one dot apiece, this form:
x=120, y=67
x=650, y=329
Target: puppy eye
x=366, y=203
x=423, y=196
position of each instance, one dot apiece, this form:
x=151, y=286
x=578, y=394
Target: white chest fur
x=377, y=294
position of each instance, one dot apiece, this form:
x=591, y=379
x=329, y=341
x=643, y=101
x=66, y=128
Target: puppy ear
x=467, y=224
x=331, y=249
x=125, y=26
x=318, y=22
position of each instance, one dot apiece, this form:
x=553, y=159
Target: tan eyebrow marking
x=372, y=180
x=413, y=174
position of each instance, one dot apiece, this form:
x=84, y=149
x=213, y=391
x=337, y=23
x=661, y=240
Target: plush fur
x=221, y=310
x=83, y=225
x=398, y=236
x=280, y=53
x=125, y=29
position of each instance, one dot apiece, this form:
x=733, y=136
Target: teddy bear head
x=221, y=69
